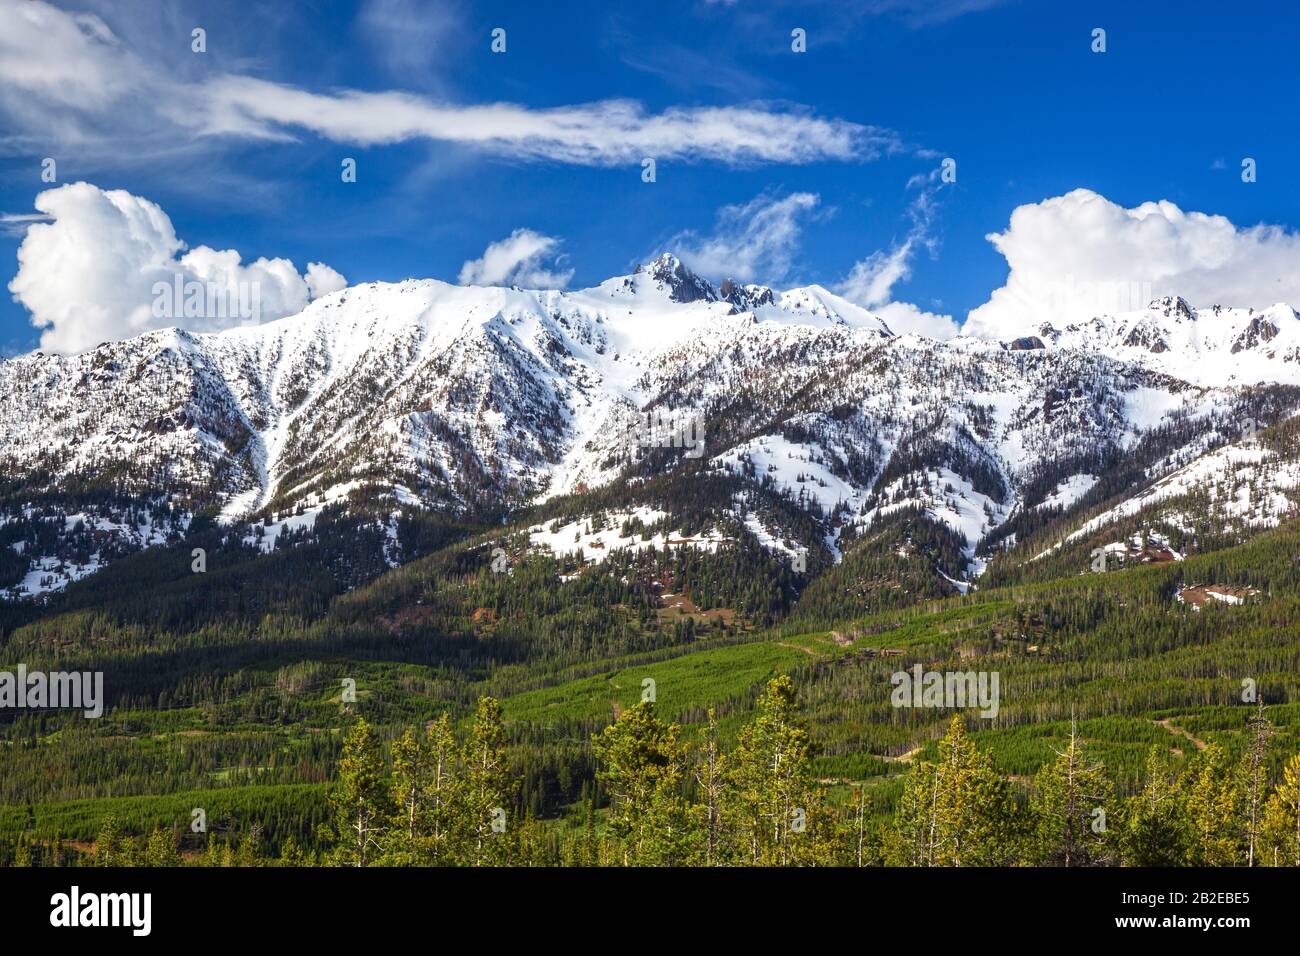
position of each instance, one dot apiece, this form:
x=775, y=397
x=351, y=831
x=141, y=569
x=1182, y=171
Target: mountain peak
x=745, y=298
x=681, y=283
x=1171, y=305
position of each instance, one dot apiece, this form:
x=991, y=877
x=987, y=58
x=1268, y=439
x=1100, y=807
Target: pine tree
x=1068, y=795
x=1154, y=828
x=584, y=848
x=250, y=848
x=488, y=786
x=1281, y=831
x=426, y=796
x=443, y=796
x=917, y=820
x=212, y=854
x=859, y=825
x=290, y=853
x=1214, y=808
x=410, y=781
x=711, y=784
x=958, y=811
x=779, y=817
x=641, y=762
x=531, y=844
x=22, y=852
x=359, y=799
x=108, y=844
x=161, y=849
x=1254, y=773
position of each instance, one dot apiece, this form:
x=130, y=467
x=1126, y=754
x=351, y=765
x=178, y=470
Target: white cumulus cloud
x=524, y=258
x=322, y=280
x=106, y=264
x=1076, y=256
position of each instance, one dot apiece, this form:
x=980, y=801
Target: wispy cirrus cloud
x=68, y=77
x=759, y=240
x=914, y=13
x=753, y=240
x=872, y=280
x=592, y=134
x=924, y=13
x=15, y=224
x=411, y=39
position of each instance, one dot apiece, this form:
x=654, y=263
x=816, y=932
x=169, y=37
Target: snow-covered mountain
x=480, y=401
x=1213, y=346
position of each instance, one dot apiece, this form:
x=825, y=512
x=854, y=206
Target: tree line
x=444, y=796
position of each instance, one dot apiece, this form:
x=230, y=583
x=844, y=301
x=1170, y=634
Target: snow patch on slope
x=593, y=544
x=949, y=499
x=1068, y=492
x=1247, y=486
x=800, y=470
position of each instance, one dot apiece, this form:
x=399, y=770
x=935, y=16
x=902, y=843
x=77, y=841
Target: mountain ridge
x=486, y=400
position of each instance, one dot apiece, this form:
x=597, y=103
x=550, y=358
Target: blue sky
x=1011, y=90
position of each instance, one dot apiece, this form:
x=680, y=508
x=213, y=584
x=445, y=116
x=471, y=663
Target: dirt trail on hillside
x=907, y=757
x=1168, y=725
x=795, y=647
